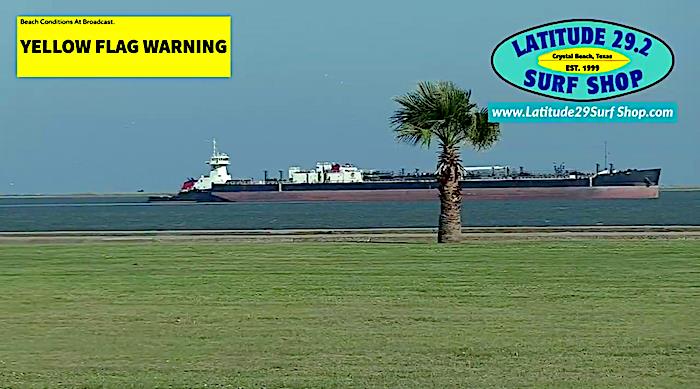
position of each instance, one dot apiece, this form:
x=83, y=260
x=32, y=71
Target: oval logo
x=582, y=60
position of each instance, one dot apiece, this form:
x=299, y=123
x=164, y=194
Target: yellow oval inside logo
x=582, y=60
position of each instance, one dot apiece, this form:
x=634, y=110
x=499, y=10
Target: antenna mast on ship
x=605, y=158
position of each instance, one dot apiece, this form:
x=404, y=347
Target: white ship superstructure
x=326, y=172
x=218, y=173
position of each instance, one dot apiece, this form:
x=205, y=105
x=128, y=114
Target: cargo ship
x=345, y=182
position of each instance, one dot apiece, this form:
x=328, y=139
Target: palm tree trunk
x=449, y=173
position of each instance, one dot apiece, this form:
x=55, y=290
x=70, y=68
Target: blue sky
x=313, y=80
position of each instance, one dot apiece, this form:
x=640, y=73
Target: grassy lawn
x=604, y=313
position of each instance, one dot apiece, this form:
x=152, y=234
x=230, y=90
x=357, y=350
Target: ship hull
x=574, y=193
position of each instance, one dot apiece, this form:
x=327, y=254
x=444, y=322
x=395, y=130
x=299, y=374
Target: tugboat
x=198, y=189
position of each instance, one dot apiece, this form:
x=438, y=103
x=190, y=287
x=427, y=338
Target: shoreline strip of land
x=377, y=235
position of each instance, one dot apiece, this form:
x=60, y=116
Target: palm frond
x=483, y=134
x=414, y=135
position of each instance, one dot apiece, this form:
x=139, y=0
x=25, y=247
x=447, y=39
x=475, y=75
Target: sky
x=314, y=80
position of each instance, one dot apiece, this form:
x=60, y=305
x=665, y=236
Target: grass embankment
x=544, y=314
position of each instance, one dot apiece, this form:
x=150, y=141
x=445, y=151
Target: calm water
x=133, y=213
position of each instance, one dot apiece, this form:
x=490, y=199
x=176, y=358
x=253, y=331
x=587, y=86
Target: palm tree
x=443, y=112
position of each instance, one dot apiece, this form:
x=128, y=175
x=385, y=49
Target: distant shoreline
x=85, y=195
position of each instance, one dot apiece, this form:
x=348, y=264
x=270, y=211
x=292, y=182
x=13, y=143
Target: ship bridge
x=218, y=174
x=218, y=159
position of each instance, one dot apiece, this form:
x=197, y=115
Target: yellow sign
x=123, y=46
x=583, y=60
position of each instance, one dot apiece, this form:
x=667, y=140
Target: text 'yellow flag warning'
x=123, y=46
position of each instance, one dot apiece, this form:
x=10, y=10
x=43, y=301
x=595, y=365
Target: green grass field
x=602, y=313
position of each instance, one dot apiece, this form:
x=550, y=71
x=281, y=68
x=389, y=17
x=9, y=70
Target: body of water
x=134, y=213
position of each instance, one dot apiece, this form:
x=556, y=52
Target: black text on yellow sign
x=124, y=46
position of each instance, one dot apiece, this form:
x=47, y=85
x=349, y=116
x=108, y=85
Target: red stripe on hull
x=600, y=192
